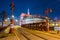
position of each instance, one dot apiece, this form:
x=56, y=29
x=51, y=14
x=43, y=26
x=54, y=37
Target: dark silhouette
x=3, y=16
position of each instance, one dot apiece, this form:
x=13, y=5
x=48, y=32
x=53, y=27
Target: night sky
x=37, y=7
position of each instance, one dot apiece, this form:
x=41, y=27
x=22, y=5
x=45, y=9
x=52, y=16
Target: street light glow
x=16, y=20
x=53, y=24
x=56, y=24
x=5, y=19
x=12, y=16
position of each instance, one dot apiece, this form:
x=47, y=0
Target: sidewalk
x=11, y=36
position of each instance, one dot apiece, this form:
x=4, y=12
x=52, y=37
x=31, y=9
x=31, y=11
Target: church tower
x=28, y=12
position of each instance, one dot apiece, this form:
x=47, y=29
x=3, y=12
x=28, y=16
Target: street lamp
x=5, y=19
x=56, y=24
x=16, y=20
x=47, y=23
x=47, y=19
x=12, y=19
x=53, y=24
x=12, y=16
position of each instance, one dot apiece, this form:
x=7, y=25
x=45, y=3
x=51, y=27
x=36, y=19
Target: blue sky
x=36, y=7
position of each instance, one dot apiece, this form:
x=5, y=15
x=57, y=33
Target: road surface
x=28, y=34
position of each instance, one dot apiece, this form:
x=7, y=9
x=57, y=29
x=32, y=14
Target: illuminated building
x=34, y=21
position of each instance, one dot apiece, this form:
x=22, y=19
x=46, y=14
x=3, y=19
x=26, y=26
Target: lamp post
x=12, y=19
x=47, y=24
x=8, y=20
x=16, y=21
x=47, y=19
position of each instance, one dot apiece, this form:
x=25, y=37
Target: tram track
x=50, y=36
x=31, y=34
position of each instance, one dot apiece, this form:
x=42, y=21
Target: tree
x=3, y=16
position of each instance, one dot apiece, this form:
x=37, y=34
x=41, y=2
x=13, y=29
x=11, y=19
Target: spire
x=28, y=12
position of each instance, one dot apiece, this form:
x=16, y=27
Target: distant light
x=5, y=19
x=16, y=20
x=8, y=18
x=12, y=16
x=46, y=17
x=53, y=24
x=56, y=24
x=50, y=10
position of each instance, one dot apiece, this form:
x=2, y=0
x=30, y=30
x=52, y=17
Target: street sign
x=56, y=28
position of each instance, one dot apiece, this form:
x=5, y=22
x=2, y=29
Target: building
x=34, y=21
